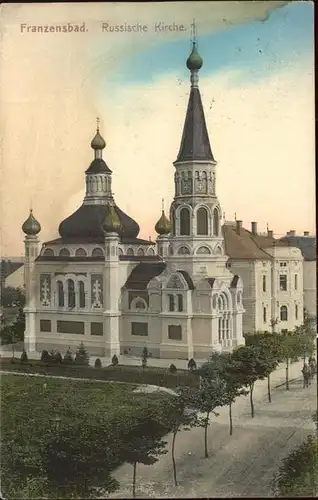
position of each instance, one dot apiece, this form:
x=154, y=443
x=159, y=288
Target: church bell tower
x=196, y=240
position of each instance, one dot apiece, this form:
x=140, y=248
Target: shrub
x=68, y=356
x=57, y=357
x=82, y=356
x=98, y=363
x=45, y=356
x=115, y=360
x=172, y=368
x=24, y=356
x=192, y=366
x=144, y=357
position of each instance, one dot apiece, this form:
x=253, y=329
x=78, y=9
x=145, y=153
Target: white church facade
x=102, y=285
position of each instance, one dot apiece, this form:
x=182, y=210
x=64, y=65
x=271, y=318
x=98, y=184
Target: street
x=239, y=465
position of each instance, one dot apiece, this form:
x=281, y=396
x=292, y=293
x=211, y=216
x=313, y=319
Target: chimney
x=306, y=233
x=287, y=234
x=270, y=233
x=238, y=226
x=254, y=227
x=292, y=232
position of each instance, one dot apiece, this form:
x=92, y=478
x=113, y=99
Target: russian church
x=100, y=284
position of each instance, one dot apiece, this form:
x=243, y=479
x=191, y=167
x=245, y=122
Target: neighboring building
x=307, y=244
x=102, y=285
x=16, y=278
x=272, y=273
x=7, y=268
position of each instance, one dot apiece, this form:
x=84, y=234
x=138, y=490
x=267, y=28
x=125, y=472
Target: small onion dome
x=31, y=226
x=112, y=222
x=98, y=142
x=163, y=225
x=194, y=61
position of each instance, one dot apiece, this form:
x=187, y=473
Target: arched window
x=215, y=222
x=184, y=222
x=120, y=252
x=48, y=252
x=130, y=251
x=204, y=251
x=64, y=252
x=81, y=293
x=183, y=251
x=283, y=313
x=140, y=304
x=170, y=250
x=171, y=302
x=296, y=311
x=220, y=303
x=151, y=251
x=264, y=314
x=80, y=252
x=202, y=221
x=172, y=218
x=239, y=297
x=60, y=293
x=180, y=303
x=97, y=252
x=71, y=293
x=140, y=251
x=264, y=283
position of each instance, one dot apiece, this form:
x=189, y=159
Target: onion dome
x=194, y=61
x=31, y=227
x=112, y=222
x=98, y=142
x=163, y=225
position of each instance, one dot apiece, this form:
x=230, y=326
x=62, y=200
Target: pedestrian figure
x=306, y=375
x=313, y=367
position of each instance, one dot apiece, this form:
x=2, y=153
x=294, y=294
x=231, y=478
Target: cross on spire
x=194, y=33
x=97, y=124
x=162, y=204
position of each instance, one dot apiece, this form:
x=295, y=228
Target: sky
x=257, y=86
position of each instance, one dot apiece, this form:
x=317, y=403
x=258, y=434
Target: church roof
x=195, y=143
x=188, y=279
x=307, y=245
x=143, y=274
x=243, y=245
x=87, y=223
x=97, y=240
x=98, y=166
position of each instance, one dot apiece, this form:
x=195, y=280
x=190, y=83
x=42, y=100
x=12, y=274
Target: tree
x=82, y=356
x=247, y=366
x=98, y=363
x=290, y=346
x=143, y=445
x=11, y=297
x=192, y=366
x=172, y=368
x=45, y=356
x=24, y=356
x=68, y=357
x=306, y=334
x=144, y=357
x=115, y=360
x=178, y=416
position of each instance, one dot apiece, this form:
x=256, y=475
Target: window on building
x=48, y=252
x=97, y=252
x=140, y=251
x=180, y=303
x=81, y=293
x=171, y=302
x=80, y=252
x=215, y=222
x=140, y=329
x=264, y=283
x=71, y=293
x=45, y=325
x=97, y=328
x=264, y=314
x=64, y=252
x=70, y=327
x=130, y=251
x=184, y=222
x=296, y=311
x=60, y=293
x=140, y=304
x=283, y=282
x=202, y=221
x=283, y=264
x=296, y=281
x=174, y=332
x=283, y=313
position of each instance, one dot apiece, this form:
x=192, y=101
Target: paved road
x=239, y=465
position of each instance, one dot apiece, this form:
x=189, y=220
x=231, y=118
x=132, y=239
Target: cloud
x=49, y=102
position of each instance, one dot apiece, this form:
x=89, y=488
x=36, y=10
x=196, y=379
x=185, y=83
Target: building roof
x=98, y=166
x=188, y=279
x=243, y=245
x=307, y=245
x=88, y=220
x=8, y=267
x=97, y=240
x=195, y=143
x=143, y=274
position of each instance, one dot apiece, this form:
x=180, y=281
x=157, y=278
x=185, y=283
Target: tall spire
x=195, y=143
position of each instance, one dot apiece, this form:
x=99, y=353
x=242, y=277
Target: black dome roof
x=98, y=166
x=88, y=221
